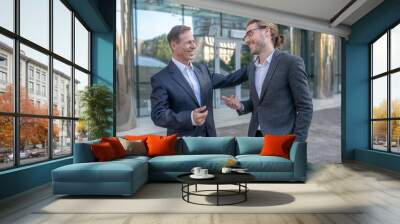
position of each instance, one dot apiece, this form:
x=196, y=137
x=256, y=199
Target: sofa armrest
x=298, y=155
x=83, y=152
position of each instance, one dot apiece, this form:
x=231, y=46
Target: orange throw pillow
x=277, y=145
x=103, y=152
x=116, y=145
x=161, y=145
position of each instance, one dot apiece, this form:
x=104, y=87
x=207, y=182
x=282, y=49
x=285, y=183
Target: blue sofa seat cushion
x=184, y=163
x=257, y=163
x=111, y=171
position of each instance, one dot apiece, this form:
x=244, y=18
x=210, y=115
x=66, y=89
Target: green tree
x=157, y=47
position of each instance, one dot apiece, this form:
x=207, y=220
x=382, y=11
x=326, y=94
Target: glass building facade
x=220, y=46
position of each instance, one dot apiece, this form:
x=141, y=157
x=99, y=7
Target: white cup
x=226, y=170
x=203, y=172
x=196, y=170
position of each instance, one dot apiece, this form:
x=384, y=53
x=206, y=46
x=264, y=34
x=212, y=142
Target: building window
x=3, y=78
x=30, y=72
x=30, y=87
x=34, y=54
x=385, y=94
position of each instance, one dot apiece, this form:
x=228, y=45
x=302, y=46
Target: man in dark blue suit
x=182, y=94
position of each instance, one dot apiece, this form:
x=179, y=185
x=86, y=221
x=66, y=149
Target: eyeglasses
x=251, y=32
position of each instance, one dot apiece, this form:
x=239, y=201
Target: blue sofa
x=125, y=176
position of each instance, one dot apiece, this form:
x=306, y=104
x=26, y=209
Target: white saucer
x=208, y=176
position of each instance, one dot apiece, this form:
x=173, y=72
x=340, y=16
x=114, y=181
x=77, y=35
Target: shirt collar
x=266, y=62
x=182, y=66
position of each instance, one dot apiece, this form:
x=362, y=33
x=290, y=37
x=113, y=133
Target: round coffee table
x=238, y=179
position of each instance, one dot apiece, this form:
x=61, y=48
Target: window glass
x=379, y=99
x=7, y=14
x=62, y=29
x=35, y=21
x=81, y=45
x=34, y=144
x=62, y=89
x=6, y=74
x=379, y=56
x=31, y=58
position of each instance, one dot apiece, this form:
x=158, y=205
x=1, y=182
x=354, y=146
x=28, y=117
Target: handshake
x=200, y=114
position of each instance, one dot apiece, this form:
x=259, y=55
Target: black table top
x=220, y=178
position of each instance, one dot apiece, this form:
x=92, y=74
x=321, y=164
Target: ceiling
x=328, y=16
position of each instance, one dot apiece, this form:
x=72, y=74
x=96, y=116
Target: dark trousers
x=259, y=133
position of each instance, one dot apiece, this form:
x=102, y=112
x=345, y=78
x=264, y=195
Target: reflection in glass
x=245, y=59
x=154, y=51
x=62, y=29
x=7, y=14
x=232, y=23
x=81, y=131
x=34, y=96
x=81, y=45
x=6, y=74
x=6, y=142
x=379, y=135
x=62, y=89
x=395, y=47
x=33, y=139
x=227, y=63
x=62, y=138
x=395, y=135
x=81, y=81
x=379, y=98
x=379, y=55
x=395, y=95
x=35, y=21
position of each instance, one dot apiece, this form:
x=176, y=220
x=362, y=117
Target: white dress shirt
x=191, y=78
x=260, y=74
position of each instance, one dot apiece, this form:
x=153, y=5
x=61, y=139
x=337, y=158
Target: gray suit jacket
x=285, y=103
x=173, y=100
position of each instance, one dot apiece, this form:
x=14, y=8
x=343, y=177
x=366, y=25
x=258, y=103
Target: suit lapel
x=202, y=84
x=251, y=74
x=270, y=73
x=180, y=80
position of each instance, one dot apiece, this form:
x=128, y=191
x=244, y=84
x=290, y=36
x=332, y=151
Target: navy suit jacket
x=173, y=100
x=285, y=103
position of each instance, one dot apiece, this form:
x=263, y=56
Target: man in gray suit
x=280, y=99
x=182, y=92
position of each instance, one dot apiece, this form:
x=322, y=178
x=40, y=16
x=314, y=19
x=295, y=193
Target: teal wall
x=99, y=16
x=356, y=85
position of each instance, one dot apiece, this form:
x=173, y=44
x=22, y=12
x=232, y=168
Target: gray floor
x=323, y=139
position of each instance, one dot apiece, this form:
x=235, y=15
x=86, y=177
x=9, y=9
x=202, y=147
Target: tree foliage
x=33, y=131
x=157, y=47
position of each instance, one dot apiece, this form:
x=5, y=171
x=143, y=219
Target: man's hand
x=232, y=102
x=200, y=115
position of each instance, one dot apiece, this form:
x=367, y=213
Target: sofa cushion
x=134, y=147
x=112, y=171
x=83, y=152
x=277, y=145
x=208, y=145
x=161, y=145
x=257, y=163
x=116, y=145
x=103, y=152
x=185, y=163
x=249, y=145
